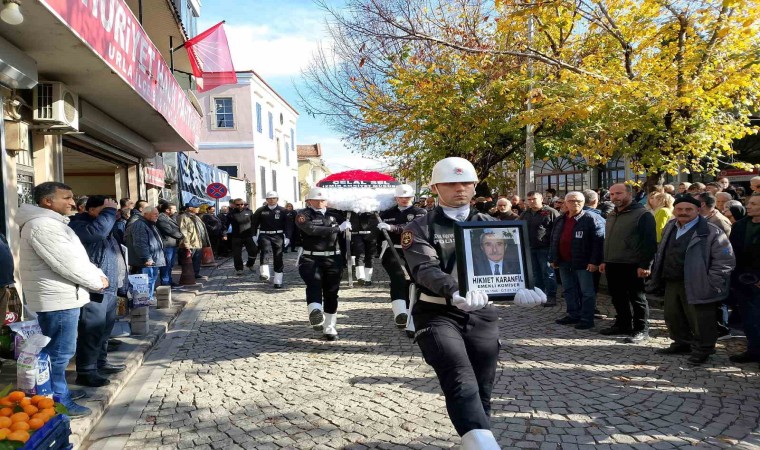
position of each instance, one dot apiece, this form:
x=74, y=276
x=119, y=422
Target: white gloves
x=286, y=242
x=383, y=226
x=527, y=297
x=346, y=225
x=473, y=301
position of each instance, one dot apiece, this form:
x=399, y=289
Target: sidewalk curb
x=99, y=399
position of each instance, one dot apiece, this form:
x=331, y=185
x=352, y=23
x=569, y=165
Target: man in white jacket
x=58, y=277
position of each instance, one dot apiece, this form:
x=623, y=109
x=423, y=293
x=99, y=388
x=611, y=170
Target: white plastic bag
x=29, y=372
x=139, y=290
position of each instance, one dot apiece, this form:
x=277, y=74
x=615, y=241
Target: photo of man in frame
x=497, y=253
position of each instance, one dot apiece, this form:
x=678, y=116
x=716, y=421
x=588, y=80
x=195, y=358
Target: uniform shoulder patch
x=301, y=218
x=407, y=237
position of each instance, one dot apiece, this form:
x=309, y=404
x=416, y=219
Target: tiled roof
x=309, y=151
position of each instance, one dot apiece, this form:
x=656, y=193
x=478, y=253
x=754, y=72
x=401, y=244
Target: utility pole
x=530, y=146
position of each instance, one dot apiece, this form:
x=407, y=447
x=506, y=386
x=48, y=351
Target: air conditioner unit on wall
x=55, y=105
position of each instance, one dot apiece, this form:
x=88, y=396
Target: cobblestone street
x=241, y=369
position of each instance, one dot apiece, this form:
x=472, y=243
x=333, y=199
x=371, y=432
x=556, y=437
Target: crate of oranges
x=22, y=417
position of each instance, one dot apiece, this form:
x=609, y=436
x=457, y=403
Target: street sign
x=216, y=190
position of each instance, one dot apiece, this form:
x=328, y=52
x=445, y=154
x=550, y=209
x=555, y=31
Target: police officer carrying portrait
x=321, y=263
x=275, y=229
x=363, y=245
x=393, y=221
x=240, y=234
x=458, y=334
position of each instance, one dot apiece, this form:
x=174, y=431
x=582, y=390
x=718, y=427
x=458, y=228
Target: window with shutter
x=259, y=126
x=271, y=125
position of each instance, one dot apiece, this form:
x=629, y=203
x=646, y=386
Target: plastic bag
x=22, y=331
x=139, y=290
x=31, y=374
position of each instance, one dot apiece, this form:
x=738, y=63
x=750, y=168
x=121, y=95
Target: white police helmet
x=272, y=194
x=453, y=170
x=404, y=190
x=317, y=193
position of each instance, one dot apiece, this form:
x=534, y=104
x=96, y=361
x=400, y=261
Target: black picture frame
x=474, y=269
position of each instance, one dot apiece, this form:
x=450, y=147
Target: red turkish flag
x=210, y=58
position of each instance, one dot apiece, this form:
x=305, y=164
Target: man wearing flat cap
x=693, y=264
x=196, y=235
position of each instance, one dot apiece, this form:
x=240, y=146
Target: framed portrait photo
x=493, y=257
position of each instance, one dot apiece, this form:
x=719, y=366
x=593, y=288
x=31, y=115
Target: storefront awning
x=105, y=57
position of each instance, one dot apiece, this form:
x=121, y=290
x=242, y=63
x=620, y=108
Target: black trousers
x=628, y=297
x=399, y=286
x=96, y=321
x=237, y=245
x=463, y=349
x=689, y=324
x=322, y=277
x=271, y=245
x=363, y=247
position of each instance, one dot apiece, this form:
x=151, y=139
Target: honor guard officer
x=393, y=221
x=321, y=263
x=363, y=245
x=275, y=230
x=458, y=335
x=241, y=230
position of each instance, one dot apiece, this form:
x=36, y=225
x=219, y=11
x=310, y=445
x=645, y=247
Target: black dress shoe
x=567, y=320
x=637, y=338
x=360, y=281
x=112, y=368
x=698, y=358
x=744, y=358
x=368, y=283
x=410, y=334
x=91, y=379
x=674, y=349
x=615, y=331
x=277, y=286
x=113, y=341
x=584, y=326
x=550, y=302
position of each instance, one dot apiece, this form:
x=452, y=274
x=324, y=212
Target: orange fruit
x=5, y=422
x=36, y=424
x=41, y=416
x=31, y=410
x=45, y=403
x=19, y=426
x=4, y=432
x=20, y=417
x=26, y=401
x=5, y=402
x=50, y=412
x=20, y=435
x=6, y=412
x=36, y=399
x=16, y=396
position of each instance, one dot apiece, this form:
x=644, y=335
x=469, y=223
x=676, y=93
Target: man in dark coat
x=693, y=263
x=170, y=237
x=96, y=320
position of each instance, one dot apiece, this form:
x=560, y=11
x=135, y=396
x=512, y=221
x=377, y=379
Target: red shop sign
x=113, y=32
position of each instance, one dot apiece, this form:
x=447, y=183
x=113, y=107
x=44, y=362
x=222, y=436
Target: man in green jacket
x=629, y=247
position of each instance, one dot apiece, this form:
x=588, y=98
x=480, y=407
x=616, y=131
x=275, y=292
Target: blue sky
x=276, y=38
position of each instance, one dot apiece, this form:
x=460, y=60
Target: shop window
x=224, y=116
x=231, y=170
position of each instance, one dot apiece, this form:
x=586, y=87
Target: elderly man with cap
x=321, y=263
x=693, y=264
x=274, y=229
x=195, y=234
x=393, y=221
x=458, y=334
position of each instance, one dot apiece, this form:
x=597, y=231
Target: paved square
x=249, y=373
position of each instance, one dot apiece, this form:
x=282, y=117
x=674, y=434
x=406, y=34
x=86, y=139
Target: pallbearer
x=364, y=245
x=393, y=221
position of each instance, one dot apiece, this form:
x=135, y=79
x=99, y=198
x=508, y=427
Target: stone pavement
x=242, y=369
